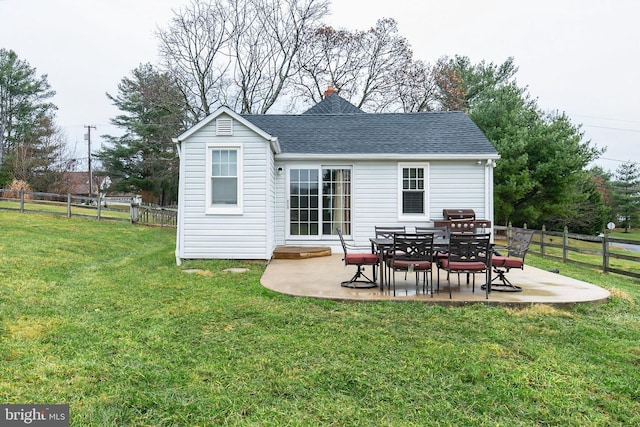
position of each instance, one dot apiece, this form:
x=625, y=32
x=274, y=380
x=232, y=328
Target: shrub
x=17, y=185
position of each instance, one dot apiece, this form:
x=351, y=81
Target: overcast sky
x=577, y=56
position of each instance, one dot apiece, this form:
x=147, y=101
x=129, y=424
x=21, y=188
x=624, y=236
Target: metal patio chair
x=387, y=232
x=358, y=257
x=469, y=254
x=440, y=244
x=516, y=252
x=413, y=253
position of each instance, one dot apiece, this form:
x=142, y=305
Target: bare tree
x=249, y=54
x=238, y=53
x=360, y=65
x=414, y=88
x=331, y=58
x=387, y=52
x=195, y=52
x=450, y=89
x=266, y=40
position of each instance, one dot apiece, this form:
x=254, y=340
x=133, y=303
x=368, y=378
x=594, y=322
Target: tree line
x=263, y=56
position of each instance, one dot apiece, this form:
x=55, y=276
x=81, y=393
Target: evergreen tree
x=543, y=155
x=144, y=158
x=26, y=115
x=627, y=194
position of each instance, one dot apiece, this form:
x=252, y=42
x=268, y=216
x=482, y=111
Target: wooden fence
x=605, y=253
x=84, y=206
x=163, y=217
x=597, y=252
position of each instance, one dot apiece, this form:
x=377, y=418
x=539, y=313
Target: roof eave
x=386, y=156
x=273, y=140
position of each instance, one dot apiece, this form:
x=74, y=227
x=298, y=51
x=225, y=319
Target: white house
x=249, y=183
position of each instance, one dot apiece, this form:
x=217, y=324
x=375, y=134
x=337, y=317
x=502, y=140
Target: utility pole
x=88, y=138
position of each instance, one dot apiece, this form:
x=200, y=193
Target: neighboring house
x=77, y=183
x=249, y=183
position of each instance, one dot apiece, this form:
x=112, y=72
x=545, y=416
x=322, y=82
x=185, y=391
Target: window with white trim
x=413, y=191
x=224, y=179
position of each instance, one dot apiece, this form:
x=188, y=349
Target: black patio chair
x=516, y=252
x=413, y=253
x=387, y=232
x=468, y=254
x=440, y=244
x=440, y=234
x=358, y=257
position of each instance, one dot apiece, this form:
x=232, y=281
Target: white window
x=413, y=191
x=224, y=179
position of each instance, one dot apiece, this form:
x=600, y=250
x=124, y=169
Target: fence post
x=99, y=207
x=68, y=205
x=565, y=244
x=133, y=211
x=605, y=253
x=544, y=228
x=21, y=201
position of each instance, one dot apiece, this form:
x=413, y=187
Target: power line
x=612, y=128
x=606, y=118
x=613, y=160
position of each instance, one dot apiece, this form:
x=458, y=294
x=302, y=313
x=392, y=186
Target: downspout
x=488, y=201
x=180, y=203
x=274, y=148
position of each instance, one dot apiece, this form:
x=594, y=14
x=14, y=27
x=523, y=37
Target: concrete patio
x=320, y=277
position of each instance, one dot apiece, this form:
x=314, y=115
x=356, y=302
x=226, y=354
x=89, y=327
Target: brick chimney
x=330, y=91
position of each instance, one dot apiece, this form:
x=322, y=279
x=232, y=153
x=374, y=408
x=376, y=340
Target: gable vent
x=224, y=126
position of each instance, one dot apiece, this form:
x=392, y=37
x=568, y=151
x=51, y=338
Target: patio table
x=380, y=245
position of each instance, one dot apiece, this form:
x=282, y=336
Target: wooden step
x=300, y=252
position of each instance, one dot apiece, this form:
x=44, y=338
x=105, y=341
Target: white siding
x=375, y=198
x=281, y=204
x=452, y=184
x=458, y=185
x=245, y=236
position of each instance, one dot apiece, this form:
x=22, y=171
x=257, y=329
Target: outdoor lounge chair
x=358, y=257
x=469, y=254
x=413, y=253
x=516, y=251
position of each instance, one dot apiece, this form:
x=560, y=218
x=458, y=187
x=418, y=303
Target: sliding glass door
x=304, y=202
x=319, y=201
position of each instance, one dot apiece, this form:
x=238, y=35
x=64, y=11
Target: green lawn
x=98, y=316
x=633, y=234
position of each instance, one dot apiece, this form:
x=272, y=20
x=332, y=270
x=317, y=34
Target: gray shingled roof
x=334, y=104
x=446, y=132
